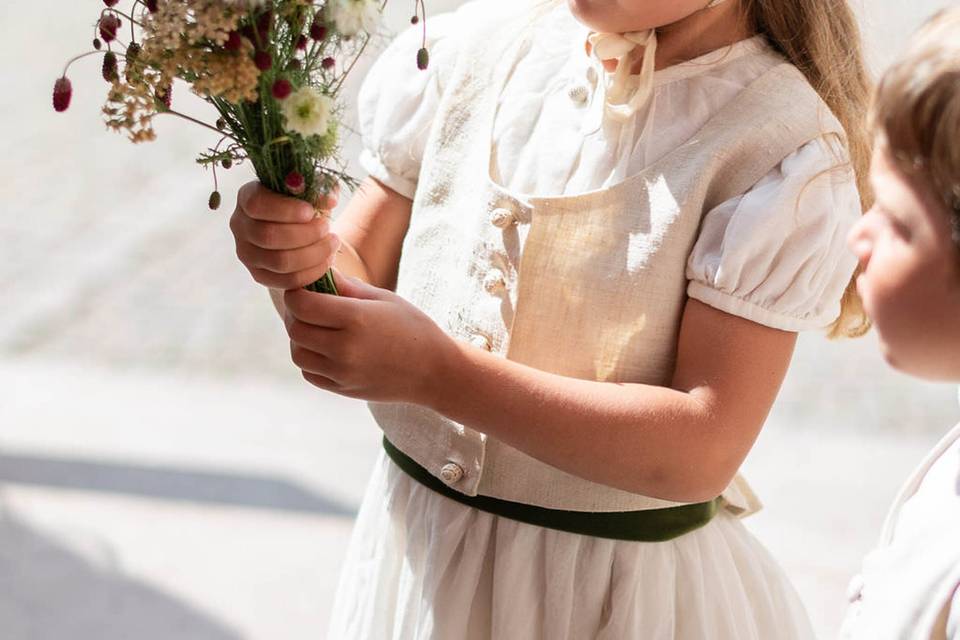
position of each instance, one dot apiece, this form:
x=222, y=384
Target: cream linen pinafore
x=422, y=566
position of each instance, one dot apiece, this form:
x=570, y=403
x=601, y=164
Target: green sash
x=652, y=525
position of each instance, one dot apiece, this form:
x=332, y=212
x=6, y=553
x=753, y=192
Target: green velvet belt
x=652, y=525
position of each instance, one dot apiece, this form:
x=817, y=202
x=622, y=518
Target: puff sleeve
x=397, y=102
x=777, y=254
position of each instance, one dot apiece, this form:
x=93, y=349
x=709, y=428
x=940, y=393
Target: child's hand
x=281, y=240
x=366, y=343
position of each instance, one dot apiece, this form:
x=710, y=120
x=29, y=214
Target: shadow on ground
x=224, y=489
x=51, y=592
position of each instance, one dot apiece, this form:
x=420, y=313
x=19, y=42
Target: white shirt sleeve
x=397, y=102
x=777, y=254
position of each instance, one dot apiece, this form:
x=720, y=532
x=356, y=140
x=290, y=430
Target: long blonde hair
x=822, y=39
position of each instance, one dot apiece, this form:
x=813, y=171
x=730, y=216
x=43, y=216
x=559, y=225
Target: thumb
x=351, y=287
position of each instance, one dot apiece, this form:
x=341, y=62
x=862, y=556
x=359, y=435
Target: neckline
x=688, y=68
x=498, y=78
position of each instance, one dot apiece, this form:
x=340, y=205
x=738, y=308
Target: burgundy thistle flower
x=62, y=92
x=109, y=69
x=110, y=3
x=281, y=89
x=263, y=60
x=234, y=41
x=295, y=183
x=152, y=5
x=302, y=43
x=264, y=24
x=327, y=63
x=318, y=31
x=109, y=25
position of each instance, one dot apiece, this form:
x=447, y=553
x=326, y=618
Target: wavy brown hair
x=822, y=39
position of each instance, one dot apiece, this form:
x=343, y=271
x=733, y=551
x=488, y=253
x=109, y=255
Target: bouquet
x=271, y=69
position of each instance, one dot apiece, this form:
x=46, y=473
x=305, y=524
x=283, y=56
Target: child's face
x=910, y=282
x=620, y=16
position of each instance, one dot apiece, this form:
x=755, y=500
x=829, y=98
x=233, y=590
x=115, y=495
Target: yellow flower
x=308, y=112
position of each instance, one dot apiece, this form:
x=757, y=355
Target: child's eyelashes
x=899, y=227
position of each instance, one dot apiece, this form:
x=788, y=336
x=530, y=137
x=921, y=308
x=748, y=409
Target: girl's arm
x=682, y=443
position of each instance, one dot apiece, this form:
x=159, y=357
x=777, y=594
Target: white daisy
x=307, y=112
x=354, y=16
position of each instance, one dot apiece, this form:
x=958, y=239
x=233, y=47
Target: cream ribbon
x=624, y=47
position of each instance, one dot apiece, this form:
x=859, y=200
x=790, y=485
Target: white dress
x=909, y=586
x=422, y=566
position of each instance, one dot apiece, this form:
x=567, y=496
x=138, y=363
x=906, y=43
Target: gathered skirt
x=421, y=566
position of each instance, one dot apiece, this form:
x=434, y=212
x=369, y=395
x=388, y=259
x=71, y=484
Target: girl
x=604, y=224
x=909, y=250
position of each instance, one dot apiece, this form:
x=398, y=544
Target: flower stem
x=195, y=121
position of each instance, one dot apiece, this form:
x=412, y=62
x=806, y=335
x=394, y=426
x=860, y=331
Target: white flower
x=354, y=16
x=307, y=112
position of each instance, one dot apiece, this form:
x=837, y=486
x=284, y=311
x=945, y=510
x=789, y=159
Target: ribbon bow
x=623, y=48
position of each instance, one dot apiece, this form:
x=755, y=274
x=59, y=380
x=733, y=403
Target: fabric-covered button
x=493, y=281
x=451, y=473
x=502, y=218
x=480, y=342
x=578, y=93
x=855, y=588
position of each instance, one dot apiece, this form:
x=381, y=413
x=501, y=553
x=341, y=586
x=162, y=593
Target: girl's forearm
x=645, y=439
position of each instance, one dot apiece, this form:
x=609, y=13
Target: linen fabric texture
x=593, y=284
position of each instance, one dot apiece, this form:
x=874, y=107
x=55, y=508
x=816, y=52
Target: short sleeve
x=397, y=102
x=777, y=254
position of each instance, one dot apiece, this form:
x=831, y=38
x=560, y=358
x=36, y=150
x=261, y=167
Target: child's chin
x=932, y=369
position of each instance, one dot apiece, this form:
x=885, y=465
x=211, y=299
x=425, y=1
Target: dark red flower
x=110, y=3
x=264, y=24
x=152, y=5
x=109, y=25
x=302, y=43
x=295, y=183
x=62, y=92
x=327, y=62
x=109, y=69
x=263, y=60
x=281, y=89
x=234, y=41
x=318, y=31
